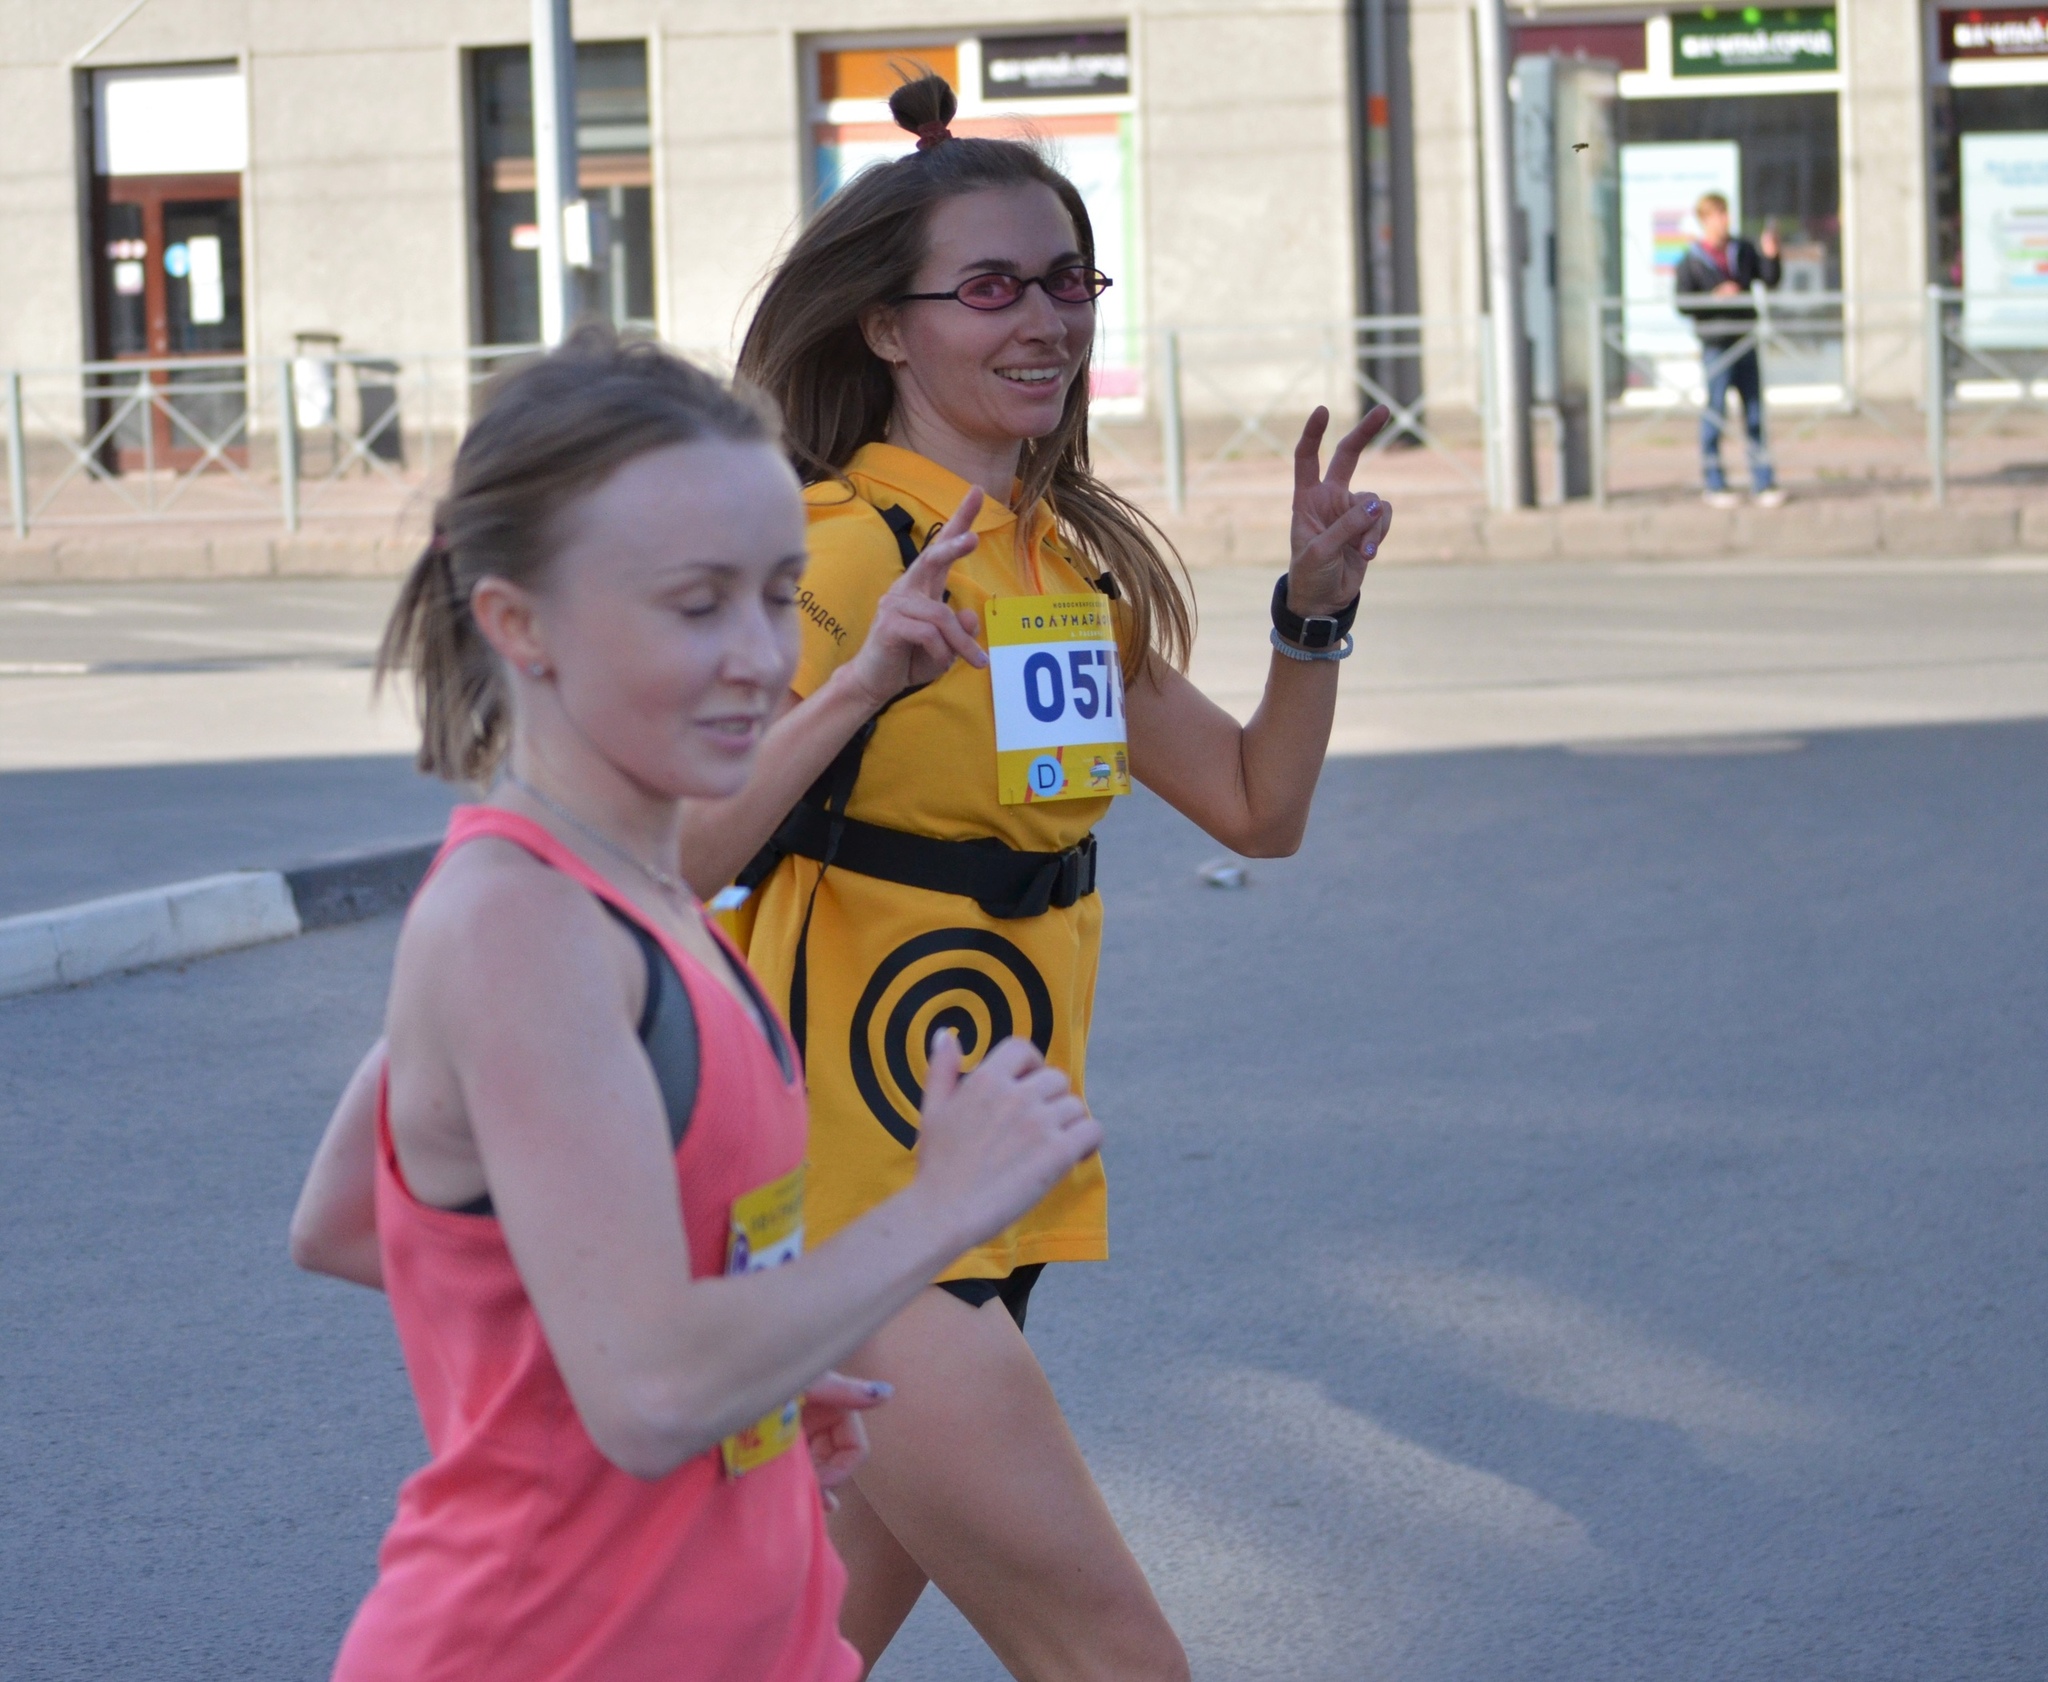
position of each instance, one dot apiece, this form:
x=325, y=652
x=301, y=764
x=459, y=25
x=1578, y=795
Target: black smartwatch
x=1319, y=630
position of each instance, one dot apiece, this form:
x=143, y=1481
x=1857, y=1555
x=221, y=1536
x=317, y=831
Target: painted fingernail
x=880, y=1391
x=1372, y=505
x=1371, y=550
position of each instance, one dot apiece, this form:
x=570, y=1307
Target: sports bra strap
x=667, y=1032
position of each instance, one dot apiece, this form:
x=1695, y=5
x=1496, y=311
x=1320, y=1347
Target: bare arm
x=1250, y=786
x=334, y=1227
x=520, y=991
x=914, y=638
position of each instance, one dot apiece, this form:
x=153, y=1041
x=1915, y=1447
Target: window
x=165, y=252
x=615, y=170
x=1789, y=147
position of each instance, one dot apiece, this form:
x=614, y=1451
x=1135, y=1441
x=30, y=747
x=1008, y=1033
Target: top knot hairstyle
x=805, y=349
x=925, y=106
x=551, y=430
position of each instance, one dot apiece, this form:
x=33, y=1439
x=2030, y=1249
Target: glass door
x=169, y=274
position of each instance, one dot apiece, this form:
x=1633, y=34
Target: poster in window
x=1661, y=183
x=2005, y=241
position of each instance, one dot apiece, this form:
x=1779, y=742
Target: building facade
x=365, y=171
x=1839, y=126
x=213, y=177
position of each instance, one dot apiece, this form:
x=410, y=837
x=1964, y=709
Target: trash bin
x=378, y=428
x=313, y=394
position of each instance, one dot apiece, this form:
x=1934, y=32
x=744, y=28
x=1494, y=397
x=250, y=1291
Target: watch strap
x=1314, y=631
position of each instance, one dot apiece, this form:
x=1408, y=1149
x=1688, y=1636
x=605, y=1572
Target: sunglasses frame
x=1024, y=284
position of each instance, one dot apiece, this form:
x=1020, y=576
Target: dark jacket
x=1719, y=320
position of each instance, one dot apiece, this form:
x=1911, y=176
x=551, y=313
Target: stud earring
x=537, y=669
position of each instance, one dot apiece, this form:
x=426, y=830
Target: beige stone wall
x=39, y=315
x=1885, y=219
x=1449, y=257
x=356, y=199
x=1246, y=149
x=355, y=207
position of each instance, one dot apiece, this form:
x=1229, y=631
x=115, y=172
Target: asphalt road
x=204, y=727
x=1583, y=1218
x=74, y=835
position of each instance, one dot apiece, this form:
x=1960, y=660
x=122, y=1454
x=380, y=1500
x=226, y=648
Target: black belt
x=1003, y=881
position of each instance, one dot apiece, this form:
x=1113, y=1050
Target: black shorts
x=1014, y=1289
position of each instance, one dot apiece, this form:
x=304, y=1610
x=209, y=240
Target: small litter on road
x=1223, y=873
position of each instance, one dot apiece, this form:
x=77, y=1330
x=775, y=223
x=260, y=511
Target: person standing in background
x=1714, y=282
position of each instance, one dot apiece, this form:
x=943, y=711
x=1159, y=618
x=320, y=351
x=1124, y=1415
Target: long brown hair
x=552, y=430
x=806, y=350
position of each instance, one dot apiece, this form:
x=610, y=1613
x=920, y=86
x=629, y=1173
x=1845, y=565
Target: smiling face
x=668, y=616
x=991, y=379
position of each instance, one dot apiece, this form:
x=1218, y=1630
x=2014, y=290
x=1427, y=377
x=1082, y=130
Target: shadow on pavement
x=72, y=835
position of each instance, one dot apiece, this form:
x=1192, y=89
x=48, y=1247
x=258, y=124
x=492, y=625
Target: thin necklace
x=660, y=878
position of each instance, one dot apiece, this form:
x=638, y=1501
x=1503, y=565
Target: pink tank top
x=519, y=1552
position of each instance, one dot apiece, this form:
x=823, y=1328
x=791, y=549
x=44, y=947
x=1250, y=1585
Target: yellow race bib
x=1059, y=699
x=767, y=1230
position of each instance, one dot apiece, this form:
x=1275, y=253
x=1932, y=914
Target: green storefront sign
x=1752, y=40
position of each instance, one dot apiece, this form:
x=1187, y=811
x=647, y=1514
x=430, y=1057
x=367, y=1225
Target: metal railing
x=1970, y=374
x=1920, y=383
x=1217, y=396
x=272, y=439
x=1832, y=357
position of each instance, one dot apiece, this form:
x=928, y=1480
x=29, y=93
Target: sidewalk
x=1858, y=485
x=1854, y=489
x=1247, y=531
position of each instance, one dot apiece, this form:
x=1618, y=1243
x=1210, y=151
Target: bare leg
x=882, y=1581
x=977, y=1480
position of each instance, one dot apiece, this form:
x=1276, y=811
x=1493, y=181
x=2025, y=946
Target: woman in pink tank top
x=589, y=1125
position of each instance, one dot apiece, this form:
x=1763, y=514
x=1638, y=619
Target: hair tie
x=930, y=134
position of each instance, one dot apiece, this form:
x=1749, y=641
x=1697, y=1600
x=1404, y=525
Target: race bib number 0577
x=1059, y=699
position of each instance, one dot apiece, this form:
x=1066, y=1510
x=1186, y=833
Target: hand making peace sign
x=1335, y=531
x=915, y=636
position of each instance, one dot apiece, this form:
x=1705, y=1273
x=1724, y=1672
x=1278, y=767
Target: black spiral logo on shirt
x=974, y=982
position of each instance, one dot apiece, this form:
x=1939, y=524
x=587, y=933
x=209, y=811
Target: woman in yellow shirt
x=992, y=651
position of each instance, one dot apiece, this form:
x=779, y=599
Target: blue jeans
x=1725, y=368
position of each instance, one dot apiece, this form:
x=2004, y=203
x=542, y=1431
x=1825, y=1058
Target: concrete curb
x=350, y=887
x=75, y=944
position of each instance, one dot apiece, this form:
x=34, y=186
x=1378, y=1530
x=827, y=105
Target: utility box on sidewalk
x=1568, y=190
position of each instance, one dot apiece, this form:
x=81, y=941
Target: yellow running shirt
x=886, y=965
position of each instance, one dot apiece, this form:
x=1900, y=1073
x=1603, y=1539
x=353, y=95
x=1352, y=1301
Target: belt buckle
x=1066, y=887
x=1076, y=873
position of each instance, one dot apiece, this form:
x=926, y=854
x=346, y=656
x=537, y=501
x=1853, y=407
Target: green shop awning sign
x=1752, y=40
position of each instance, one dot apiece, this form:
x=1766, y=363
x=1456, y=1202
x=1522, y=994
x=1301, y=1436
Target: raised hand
x=997, y=1140
x=1335, y=531
x=915, y=636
